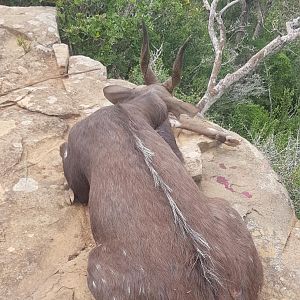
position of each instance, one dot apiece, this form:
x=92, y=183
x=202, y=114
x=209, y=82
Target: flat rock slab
x=43, y=240
x=22, y=131
x=50, y=100
x=37, y=25
x=86, y=89
x=40, y=232
x=26, y=38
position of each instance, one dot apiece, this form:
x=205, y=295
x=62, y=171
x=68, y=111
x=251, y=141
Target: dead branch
x=218, y=43
x=216, y=89
x=261, y=14
x=228, y=5
x=240, y=31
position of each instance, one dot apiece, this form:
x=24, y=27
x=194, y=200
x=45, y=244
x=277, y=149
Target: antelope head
x=117, y=94
x=183, y=111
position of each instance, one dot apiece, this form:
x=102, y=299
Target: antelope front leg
x=201, y=127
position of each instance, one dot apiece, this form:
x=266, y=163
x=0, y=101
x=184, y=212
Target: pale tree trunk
x=215, y=88
x=260, y=21
x=261, y=14
x=242, y=22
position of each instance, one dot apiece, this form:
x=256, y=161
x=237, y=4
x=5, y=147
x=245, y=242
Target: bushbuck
x=157, y=236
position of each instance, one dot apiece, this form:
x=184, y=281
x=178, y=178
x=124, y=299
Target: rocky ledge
x=44, y=241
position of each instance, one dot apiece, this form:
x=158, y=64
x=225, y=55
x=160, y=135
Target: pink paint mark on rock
x=222, y=166
x=247, y=195
x=233, y=167
x=222, y=180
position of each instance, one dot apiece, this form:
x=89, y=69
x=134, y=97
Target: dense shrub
x=285, y=159
x=110, y=31
x=248, y=119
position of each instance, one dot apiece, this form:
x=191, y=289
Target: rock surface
x=62, y=55
x=242, y=176
x=44, y=241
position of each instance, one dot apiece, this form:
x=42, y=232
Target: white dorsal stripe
x=201, y=246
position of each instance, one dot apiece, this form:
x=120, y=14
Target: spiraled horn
x=149, y=76
x=174, y=80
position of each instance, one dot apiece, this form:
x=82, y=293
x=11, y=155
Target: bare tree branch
x=293, y=25
x=240, y=31
x=228, y=5
x=261, y=13
x=156, y=55
x=216, y=89
x=206, y=5
x=260, y=20
x=211, y=25
x=218, y=44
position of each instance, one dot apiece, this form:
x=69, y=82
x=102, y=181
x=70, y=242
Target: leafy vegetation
x=264, y=107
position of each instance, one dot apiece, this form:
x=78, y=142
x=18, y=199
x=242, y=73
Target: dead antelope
x=157, y=236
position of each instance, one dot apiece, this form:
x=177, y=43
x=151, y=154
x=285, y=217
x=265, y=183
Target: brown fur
x=140, y=253
x=165, y=131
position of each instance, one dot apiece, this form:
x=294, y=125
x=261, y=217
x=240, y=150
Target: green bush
x=109, y=31
x=285, y=160
x=247, y=119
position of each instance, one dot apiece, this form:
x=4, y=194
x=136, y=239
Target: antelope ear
x=116, y=93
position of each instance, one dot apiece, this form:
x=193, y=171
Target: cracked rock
x=50, y=100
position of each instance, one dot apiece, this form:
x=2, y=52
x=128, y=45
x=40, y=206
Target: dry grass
x=285, y=160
